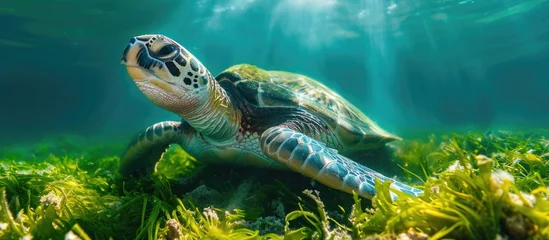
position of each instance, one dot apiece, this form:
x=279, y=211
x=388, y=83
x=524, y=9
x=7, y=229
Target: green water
x=435, y=64
x=422, y=70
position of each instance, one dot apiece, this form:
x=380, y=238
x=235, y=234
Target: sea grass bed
x=478, y=186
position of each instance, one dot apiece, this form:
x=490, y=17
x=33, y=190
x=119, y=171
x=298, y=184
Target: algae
x=477, y=186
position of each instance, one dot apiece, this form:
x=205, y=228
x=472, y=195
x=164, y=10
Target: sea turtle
x=250, y=116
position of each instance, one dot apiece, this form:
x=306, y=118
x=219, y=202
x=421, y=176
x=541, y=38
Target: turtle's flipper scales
x=314, y=159
x=145, y=150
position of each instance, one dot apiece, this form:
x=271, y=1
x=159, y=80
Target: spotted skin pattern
x=313, y=159
x=252, y=117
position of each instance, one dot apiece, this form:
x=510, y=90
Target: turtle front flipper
x=314, y=159
x=142, y=154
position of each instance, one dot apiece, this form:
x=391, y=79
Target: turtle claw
x=309, y=157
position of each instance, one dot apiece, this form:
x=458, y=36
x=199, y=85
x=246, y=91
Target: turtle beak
x=147, y=79
x=130, y=45
x=130, y=60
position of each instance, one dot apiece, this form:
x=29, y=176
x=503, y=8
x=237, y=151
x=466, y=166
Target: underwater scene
x=274, y=119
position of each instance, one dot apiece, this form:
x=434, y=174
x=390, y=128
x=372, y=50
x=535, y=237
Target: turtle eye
x=167, y=51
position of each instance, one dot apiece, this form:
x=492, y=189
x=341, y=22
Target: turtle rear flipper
x=314, y=159
x=142, y=154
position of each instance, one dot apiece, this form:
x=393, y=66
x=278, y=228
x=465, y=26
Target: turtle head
x=168, y=74
x=174, y=79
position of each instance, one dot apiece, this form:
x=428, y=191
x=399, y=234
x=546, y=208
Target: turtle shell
x=277, y=88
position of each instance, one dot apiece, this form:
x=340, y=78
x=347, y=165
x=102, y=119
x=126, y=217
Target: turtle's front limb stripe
x=146, y=149
x=323, y=164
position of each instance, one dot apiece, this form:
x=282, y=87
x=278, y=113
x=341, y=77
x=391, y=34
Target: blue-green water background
x=408, y=64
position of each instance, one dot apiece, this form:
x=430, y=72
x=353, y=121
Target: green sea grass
x=477, y=186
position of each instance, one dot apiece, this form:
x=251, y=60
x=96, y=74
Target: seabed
x=478, y=186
